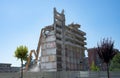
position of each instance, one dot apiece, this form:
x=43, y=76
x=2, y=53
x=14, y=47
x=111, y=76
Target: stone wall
x=63, y=74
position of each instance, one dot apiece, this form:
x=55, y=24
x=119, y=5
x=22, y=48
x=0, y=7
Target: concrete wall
x=62, y=74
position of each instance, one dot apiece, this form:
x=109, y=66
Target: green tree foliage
x=115, y=63
x=21, y=53
x=106, y=52
x=94, y=67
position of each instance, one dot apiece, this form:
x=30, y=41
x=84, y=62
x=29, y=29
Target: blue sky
x=22, y=20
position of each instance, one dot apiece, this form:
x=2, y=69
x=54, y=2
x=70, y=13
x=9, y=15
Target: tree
x=106, y=52
x=94, y=67
x=21, y=53
x=115, y=63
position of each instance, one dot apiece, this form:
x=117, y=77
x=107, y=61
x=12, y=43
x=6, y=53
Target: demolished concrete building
x=62, y=46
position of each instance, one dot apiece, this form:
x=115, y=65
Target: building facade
x=62, y=46
x=94, y=57
x=6, y=68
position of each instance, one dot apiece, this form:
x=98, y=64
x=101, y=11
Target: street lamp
x=80, y=64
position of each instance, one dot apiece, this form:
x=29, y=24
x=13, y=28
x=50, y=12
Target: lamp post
x=80, y=67
x=80, y=64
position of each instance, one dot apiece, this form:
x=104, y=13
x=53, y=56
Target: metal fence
x=62, y=74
